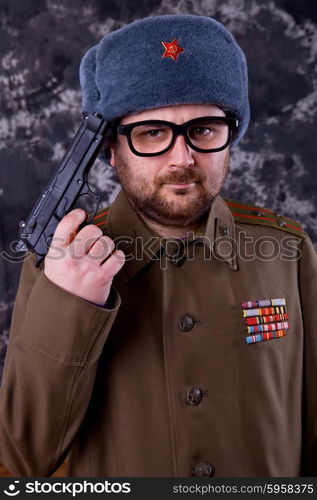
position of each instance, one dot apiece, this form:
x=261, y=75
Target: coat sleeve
x=55, y=342
x=308, y=295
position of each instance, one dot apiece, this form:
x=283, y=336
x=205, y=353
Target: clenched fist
x=82, y=263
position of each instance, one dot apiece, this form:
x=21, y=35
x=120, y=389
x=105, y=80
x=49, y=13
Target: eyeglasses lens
x=151, y=138
x=208, y=134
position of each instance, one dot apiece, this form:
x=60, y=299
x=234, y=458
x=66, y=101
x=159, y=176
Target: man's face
x=177, y=187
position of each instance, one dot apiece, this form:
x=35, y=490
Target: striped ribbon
x=263, y=303
x=268, y=327
x=258, y=320
x=265, y=336
x=264, y=311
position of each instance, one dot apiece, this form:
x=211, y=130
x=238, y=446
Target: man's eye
x=149, y=132
x=153, y=133
x=201, y=131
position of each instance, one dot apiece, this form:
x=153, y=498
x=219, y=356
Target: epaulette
x=100, y=218
x=252, y=214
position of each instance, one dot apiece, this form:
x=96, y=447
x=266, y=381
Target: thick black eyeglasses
x=206, y=134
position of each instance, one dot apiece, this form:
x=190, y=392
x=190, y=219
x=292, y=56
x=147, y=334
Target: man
x=176, y=335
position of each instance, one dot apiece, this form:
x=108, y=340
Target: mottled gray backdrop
x=41, y=45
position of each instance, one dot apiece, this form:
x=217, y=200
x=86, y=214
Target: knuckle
x=61, y=231
x=75, y=217
x=115, y=264
x=68, y=220
x=103, y=246
x=78, y=212
x=88, y=235
x=109, y=242
x=96, y=251
x=91, y=242
x=119, y=257
x=94, y=230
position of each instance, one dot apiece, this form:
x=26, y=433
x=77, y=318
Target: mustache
x=182, y=177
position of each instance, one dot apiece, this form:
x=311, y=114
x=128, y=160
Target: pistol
x=64, y=189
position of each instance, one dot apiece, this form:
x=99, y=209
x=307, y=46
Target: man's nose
x=181, y=155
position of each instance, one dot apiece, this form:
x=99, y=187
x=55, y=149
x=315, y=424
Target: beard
x=183, y=207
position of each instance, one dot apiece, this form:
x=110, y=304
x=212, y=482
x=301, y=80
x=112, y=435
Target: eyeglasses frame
x=126, y=130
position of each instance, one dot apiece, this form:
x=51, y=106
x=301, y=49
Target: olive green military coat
x=165, y=383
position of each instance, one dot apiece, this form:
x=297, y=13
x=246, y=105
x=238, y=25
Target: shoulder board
x=101, y=217
x=252, y=214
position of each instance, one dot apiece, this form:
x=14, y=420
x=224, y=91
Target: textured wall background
x=41, y=45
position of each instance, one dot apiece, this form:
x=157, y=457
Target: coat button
x=203, y=469
x=224, y=231
x=178, y=259
x=194, y=396
x=186, y=323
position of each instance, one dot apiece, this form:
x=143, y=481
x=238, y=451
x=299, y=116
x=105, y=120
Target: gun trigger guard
x=88, y=192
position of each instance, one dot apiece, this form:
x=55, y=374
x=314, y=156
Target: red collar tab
x=172, y=49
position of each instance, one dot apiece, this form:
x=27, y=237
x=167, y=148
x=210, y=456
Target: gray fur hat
x=166, y=60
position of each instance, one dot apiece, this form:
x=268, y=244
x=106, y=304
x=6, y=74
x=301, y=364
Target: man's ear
x=112, y=161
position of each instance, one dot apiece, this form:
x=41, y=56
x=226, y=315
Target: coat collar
x=142, y=246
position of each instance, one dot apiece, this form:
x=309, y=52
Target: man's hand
x=76, y=260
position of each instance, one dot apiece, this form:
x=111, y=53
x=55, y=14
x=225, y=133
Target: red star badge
x=172, y=49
